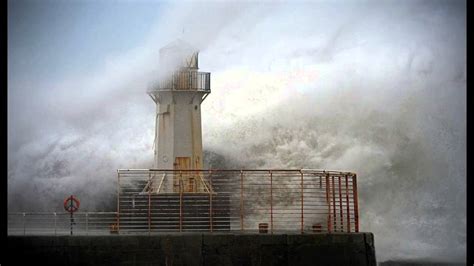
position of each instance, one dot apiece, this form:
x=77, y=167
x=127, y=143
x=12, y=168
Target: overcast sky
x=374, y=87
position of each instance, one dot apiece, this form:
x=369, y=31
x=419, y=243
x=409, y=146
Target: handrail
x=282, y=200
x=184, y=81
x=298, y=200
x=59, y=223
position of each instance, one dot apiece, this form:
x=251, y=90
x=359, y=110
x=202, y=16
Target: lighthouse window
x=195, y=107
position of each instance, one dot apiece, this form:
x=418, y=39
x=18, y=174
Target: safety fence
x=274, y=201
x=185, y=80
x=61, y=223
x=245, y=201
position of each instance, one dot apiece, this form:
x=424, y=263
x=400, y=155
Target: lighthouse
x=178, y=95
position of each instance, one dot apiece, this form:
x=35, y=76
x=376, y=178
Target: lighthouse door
x=182, y=163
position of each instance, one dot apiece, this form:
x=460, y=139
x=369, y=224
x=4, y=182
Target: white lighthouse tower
x=178, y=97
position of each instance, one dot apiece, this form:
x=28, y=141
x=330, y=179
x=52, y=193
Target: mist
x=376, y=88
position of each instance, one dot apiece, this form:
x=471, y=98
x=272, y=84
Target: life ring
x=71, y=204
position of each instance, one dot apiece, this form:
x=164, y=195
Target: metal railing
x=59, y=223
x=186, y=81
x=237, y=200
x=274, y=201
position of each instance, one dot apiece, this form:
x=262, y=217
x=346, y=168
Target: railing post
x=271, y=202
x=333, y=192
x=190, y=86
x=328, y=201
x=24, y=223
x=356, y=202
x=87, y=223
x=340, y=205
x=149, y=203
x=347, y=206
x=118, y=202
x=208, y=77
x=210, y=202
x=241, y=201
x=71, y=218
x=302, y=202
x=180, y=201
x=55, y=222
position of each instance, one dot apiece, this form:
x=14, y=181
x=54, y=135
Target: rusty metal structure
x=237, y=201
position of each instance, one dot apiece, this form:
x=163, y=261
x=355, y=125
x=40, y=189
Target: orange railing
x=237, y=200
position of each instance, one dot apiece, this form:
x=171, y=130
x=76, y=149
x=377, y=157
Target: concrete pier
x=196, y=249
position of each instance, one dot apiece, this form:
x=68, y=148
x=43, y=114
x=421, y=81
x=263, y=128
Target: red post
x=180, y=201
x=271, y=202
x=328, y=201
x=356, y=202
x=347, y=205
x=302, y=202
x=241, y=201
x=340, y=205
x=333, y=192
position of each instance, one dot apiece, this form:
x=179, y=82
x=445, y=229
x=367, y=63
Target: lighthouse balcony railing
x=184, y=81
